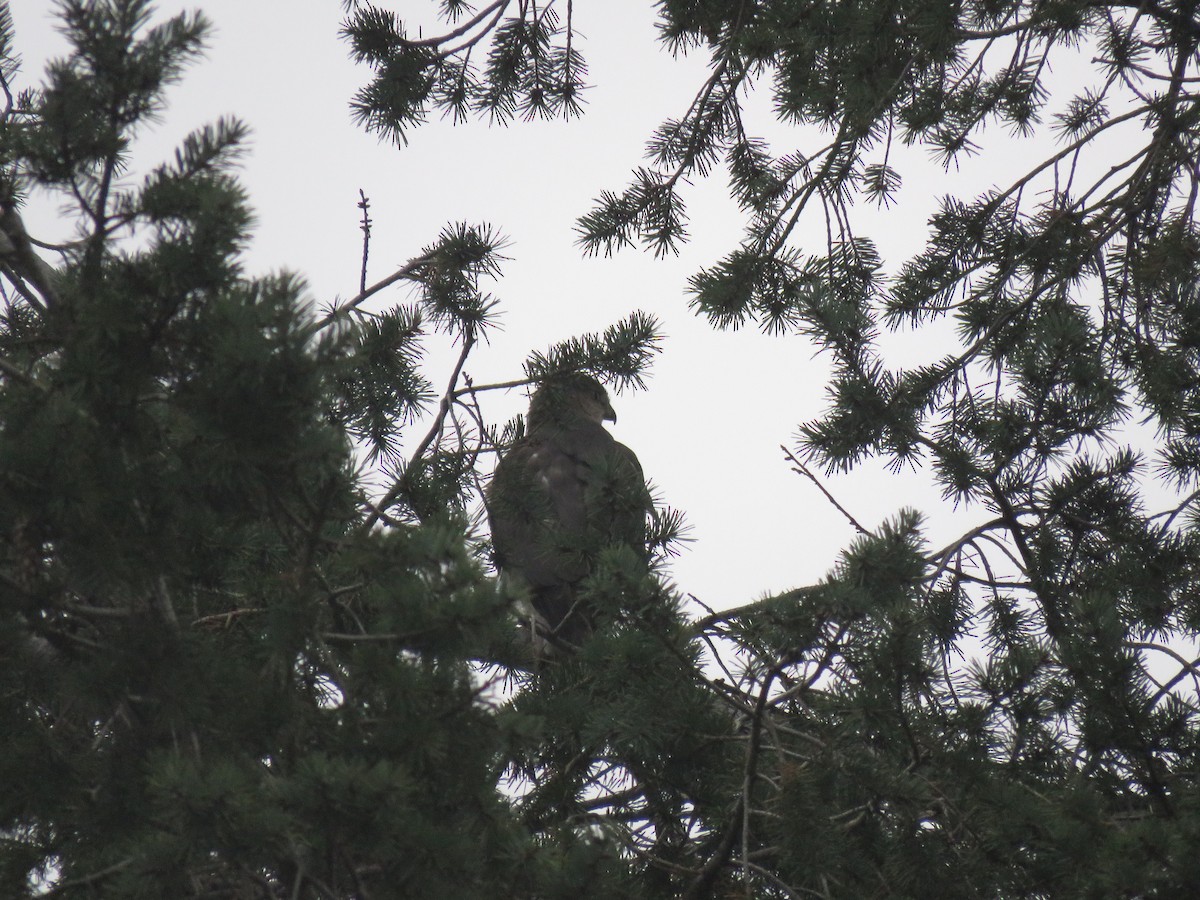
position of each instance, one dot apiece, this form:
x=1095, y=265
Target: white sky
x=719, y=404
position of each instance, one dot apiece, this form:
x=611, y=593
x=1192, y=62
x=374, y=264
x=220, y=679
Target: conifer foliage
x=224, y=670
x=1015, y=712
x=232, y=666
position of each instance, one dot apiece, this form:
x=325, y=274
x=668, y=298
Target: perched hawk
x=562, y=494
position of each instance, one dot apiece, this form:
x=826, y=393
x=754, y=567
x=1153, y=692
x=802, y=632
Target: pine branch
x=405, y=271
x=435, y=429
x=497, y=7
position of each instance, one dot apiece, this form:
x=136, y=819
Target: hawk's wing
x=557, y=498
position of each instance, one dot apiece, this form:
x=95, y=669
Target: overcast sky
x=718, y=405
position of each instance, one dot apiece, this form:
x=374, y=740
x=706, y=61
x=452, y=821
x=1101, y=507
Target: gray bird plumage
x=560, y=495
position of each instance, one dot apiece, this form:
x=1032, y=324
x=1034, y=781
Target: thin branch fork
x=1186, y=668
x=739, y=823
x=472, y=388
x=405, y=271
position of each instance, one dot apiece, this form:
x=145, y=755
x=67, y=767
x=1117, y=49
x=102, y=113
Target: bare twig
x=472, y=409
x=473, y=389
x=365, y=205
x=226, y=618
x=800, y=469
x=728, y=615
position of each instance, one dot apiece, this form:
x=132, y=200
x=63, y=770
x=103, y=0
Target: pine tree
x=231, y=667
x=228, y=669
x=1014, y=713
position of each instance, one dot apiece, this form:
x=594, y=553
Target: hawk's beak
x=610, y=415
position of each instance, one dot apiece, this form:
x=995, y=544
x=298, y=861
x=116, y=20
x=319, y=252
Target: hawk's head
x=574, y=397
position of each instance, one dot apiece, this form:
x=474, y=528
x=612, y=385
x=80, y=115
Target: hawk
x=563, y=493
